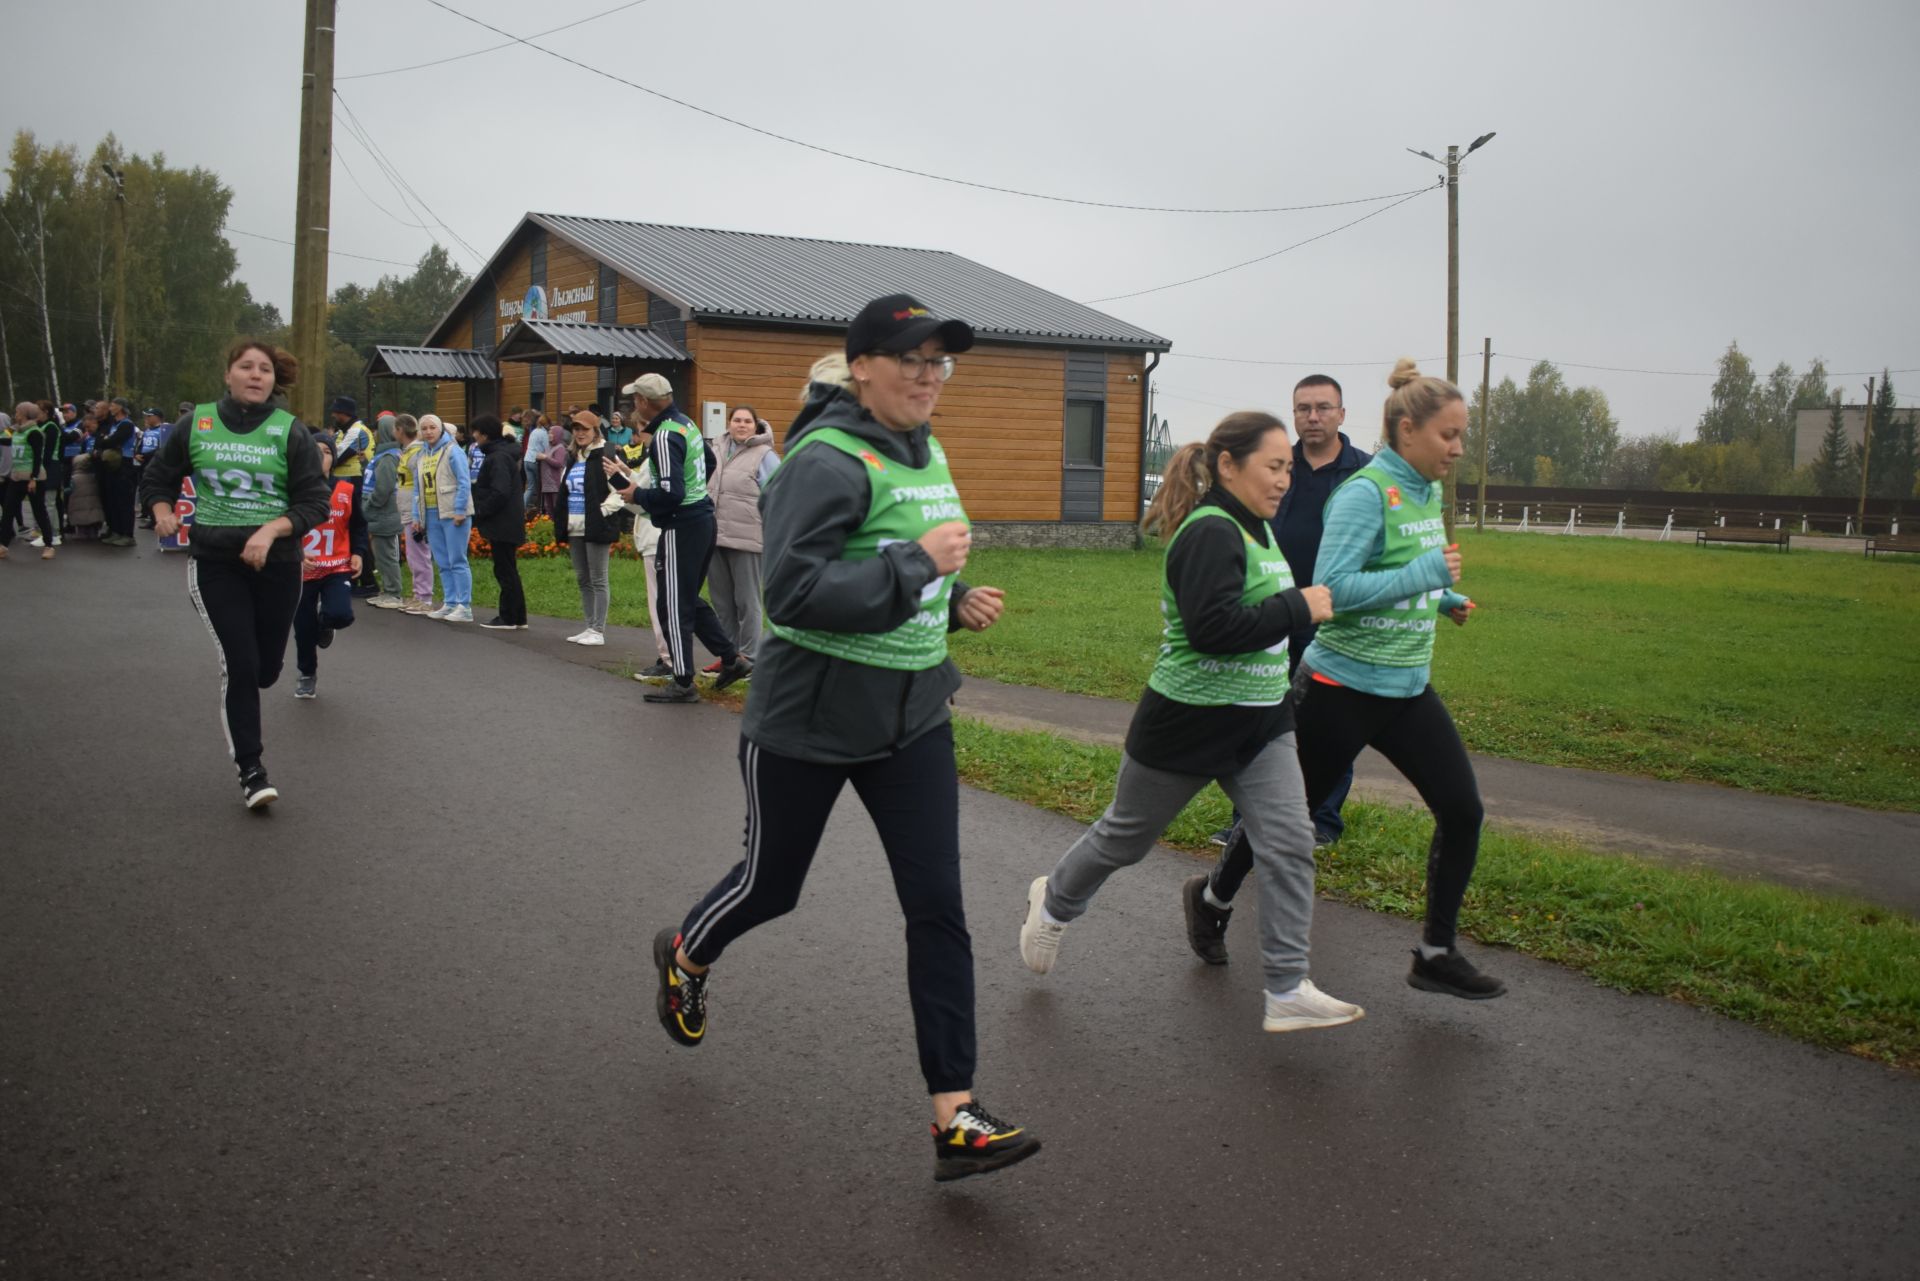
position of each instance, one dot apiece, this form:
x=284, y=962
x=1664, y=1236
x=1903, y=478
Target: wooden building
x=1042, y=422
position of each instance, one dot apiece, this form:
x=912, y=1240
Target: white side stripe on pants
x=732, y=898
x=200, y=607
x=676, y=634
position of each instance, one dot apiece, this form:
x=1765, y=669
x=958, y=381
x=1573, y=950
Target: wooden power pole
x=1486, y=426
x=1453, y=300
x=1866, y=458
x=119, y=374
x=313, y=202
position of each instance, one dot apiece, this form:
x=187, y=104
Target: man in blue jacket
x=1323, y=458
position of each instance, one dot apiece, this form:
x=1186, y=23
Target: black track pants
x=506, y=572
x=250, y=613
x=1418, y=736
x=914, y=801
x=681, y=565
x=15, y=493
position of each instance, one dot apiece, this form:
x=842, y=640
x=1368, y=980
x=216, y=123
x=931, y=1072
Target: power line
x=492, y=48
x=881, y=164
x=338, y=253
x=1302, y=364
x=1681, y=373
x=1263, y=257
x=369, y=195
x=394, y=175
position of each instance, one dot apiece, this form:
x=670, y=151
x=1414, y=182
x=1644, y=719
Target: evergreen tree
x=1892, y=473
x=1835, y=474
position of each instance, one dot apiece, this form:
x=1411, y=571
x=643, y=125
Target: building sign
x=536, y=306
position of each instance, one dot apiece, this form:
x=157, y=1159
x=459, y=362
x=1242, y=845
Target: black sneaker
x=976, y=1143
x=672, y=692
x=365, y=593
x=325, y=638
x=682, y=1002
x=499, y=624
x=259, y=793
x=738, y=669
x=1452, y=974
x=1221, y=837
x=1206, y=924
x=654, y=673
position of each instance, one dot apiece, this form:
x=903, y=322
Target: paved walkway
x=401, y=1026
x=1835, y=849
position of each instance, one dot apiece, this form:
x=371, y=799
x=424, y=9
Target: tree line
x=61, y=220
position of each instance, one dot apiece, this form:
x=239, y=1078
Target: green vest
x=1257, y=679
x=695, y=471
x=25, y=446
x=238, y=479
x=1400, y=634
x=903, y=504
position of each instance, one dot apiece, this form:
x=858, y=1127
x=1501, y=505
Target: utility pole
x=1486, y=426
x=119, y=177
x=1452, y=165
x=1866, y=458
x=313, y=202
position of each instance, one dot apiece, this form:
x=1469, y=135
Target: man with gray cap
x=679, y=508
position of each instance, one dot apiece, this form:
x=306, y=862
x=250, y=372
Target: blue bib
x=577, y=489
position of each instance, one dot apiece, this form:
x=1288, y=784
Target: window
x=1086, y=433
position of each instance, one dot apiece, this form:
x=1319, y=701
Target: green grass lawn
x=1840, y=974
x=1792, y=674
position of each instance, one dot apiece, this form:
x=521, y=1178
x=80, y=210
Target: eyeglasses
x=1323, y=409
x=913, y=364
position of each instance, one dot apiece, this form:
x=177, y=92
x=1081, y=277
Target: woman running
x=864, y=534
x=259, y=485
x=1363, y=681
x=1215, y=708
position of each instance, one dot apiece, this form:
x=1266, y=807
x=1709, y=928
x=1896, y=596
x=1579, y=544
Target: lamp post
x=119, y=179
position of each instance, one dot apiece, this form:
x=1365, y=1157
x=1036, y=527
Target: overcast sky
x=1667, y=176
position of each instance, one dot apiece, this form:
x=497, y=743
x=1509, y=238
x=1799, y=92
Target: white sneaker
x=442, y=612
x=592, y=638
x=1307, y=1007
x=575, y=638
x=1039, y=937
x=459, y=614
x=387, y=602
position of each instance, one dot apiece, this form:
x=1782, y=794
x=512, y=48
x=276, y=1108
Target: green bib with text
x=695, y=470
x=904, y=503
x=1400, y=634
x=238, y=479
x=1258, y=679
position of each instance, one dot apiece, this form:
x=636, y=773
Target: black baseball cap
x=900, y=322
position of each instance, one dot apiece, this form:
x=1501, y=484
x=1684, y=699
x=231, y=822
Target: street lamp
x=119, y=179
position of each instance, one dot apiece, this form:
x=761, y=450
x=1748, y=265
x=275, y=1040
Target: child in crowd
x=331, y=556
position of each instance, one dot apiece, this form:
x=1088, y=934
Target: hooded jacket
x=500, y=495
x=812, y=706
x=381, y=504
x=308, y=486
x=735, y=488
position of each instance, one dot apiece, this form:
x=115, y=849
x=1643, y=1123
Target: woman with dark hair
x=1215, y=709
x=747, y=463
x=499, y=513
x=861, y=591
x=1364, y=680
x=259, y=486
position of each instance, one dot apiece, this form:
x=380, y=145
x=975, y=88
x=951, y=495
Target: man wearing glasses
x=1323, y=458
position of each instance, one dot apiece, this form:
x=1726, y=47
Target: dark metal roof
x=737, y=274
x=430, y=362
x=585, y=340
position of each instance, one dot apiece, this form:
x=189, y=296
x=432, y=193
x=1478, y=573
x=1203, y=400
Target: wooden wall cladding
x=1121, y=500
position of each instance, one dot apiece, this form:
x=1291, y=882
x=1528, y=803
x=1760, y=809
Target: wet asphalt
x=402, y=1025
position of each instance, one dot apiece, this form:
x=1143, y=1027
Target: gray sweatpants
x=590, y=575
x=386, y=564
x=1273, y=805
x=733, y=585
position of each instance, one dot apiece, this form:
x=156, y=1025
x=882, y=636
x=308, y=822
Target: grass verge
x=1837, y=974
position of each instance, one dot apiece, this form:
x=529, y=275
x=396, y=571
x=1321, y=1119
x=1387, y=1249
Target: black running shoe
x=672, y=692
x=739, y=669
x=976, y=1143
x=498, y=624
x=1206, y=924
x=1221, y=837
x=682, y=1002
x=325, y=638
x=654, y=673
x=1452, y=974
x=258, y=791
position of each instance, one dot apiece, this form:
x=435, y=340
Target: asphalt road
x=402, y=1026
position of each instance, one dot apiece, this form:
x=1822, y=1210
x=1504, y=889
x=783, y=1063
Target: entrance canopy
x=439, y=364
x=582, y=342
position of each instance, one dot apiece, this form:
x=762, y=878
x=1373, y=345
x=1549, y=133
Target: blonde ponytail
x=831, y=369
x=1416, y=397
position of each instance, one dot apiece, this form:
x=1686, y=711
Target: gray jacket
x=808, y=705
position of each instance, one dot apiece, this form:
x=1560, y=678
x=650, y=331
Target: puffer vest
x=735, y=489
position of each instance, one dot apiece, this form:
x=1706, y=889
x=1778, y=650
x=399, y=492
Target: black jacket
x=600, y=529
x=809, y=705
x=308, y=485
x=499, y=495
x=1207, y=568
x=1302, y=513
x=663, y=504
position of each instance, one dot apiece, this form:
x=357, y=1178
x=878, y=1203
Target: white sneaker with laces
x=1039, y=937
x=459, y=614
x=1307, y=1007
x=575, y=638
x=441, y=612
x=591, y=637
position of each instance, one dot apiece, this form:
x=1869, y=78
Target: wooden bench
x=1715, y=534
x=1893, y=543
